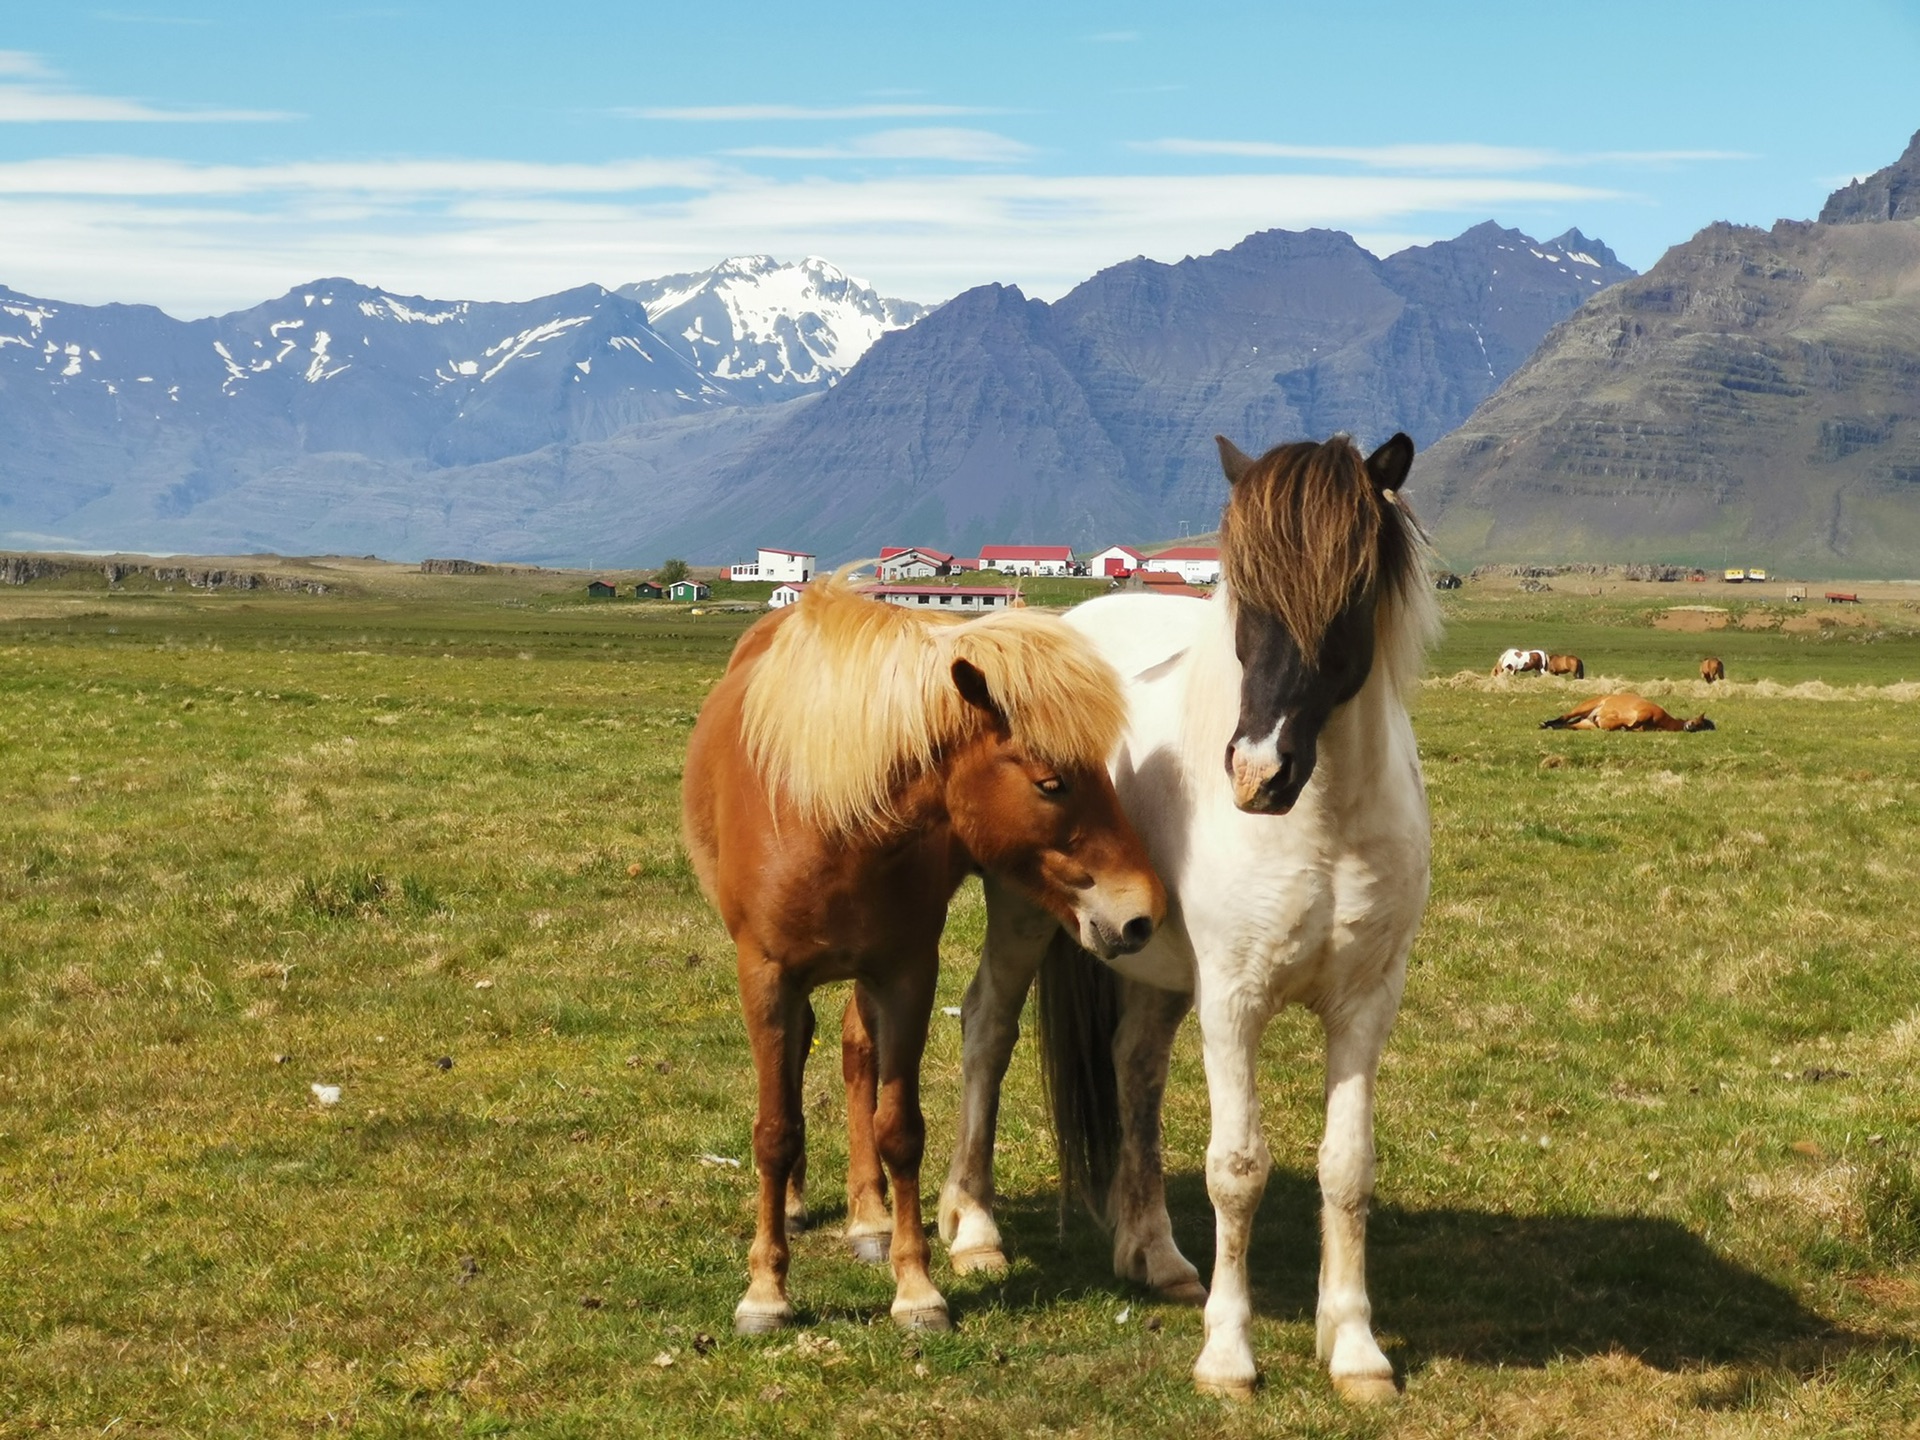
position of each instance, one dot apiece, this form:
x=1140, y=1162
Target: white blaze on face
x=1256, y=761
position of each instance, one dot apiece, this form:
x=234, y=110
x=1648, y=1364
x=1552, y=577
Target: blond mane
x=853, y=699
x=1305, y=532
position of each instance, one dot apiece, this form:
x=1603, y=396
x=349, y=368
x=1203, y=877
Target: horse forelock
x=1306, y=534
x=853, y=699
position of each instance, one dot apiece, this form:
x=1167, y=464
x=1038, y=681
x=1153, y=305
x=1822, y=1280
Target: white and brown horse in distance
x=1270, y=767
x=1521, y=662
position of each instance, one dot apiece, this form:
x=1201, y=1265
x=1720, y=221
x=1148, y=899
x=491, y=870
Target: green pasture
x=1648, y=1128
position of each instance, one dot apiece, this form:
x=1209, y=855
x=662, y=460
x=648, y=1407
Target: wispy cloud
x=887, y=111
x=31, y=94
x=971, y=147
x=1456, y=158
x=203, y=239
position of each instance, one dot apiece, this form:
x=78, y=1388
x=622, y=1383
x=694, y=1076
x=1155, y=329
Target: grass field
x=1648, y=1128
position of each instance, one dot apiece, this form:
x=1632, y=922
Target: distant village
x=902, y=573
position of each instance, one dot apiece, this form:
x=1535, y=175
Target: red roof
x=1123, y=549
x=1188, y=552
x=1159, y=578
x=776, y=550
x=1025, y=552
x=887, y=552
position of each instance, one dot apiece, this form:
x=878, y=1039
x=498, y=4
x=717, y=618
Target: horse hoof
x=797, y=1222
x=871, y=1249
x=1182, y=1292
x=978, y=1262
x=923, y=1317
x=1237, y=1390
x=761, y=1322
x=1366, y=1389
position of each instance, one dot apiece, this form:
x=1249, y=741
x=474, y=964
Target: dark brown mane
x=1306, y=533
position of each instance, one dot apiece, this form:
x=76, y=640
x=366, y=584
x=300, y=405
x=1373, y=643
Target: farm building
x=1115, y=560
x=796, y=566
x=1160, y=582
x=1027, y=559
x=957, y=597
x=1195, y=564
x=913, y=562
x=649, y=590
x=602, y=589
x=784, y=595
x=688, y=590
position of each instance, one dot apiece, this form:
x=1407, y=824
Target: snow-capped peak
x=782, y=328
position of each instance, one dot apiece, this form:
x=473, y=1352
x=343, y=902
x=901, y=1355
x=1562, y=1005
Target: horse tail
x=1078, y=1001
x=1579, y=668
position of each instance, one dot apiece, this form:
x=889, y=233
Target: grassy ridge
x=249, y=845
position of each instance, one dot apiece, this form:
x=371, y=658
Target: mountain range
x=752, y=403
x=1752, y=399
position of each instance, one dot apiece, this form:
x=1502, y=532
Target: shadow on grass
x=1488, y=1288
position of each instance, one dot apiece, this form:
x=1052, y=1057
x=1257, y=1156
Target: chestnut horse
x=1270, y=766
x=1569, y=665
x=848, y=770
x=1622, y=712
x=1711, y=669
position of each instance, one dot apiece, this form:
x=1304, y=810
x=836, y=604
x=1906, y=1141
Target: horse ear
x=972, y=686
x=1388, y=466
x=1232, y=460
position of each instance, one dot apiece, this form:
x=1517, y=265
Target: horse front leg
x=897, y=1016
x=777, y=1013
x=1343, y=1321
x=869, y=1231
x=1143, y=1247
x=1017, y=935
x=1232, y=1021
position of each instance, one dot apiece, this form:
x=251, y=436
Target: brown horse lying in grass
x=1711, y=669
x=1622, y=712
x=1569, y=665
x=851, y=767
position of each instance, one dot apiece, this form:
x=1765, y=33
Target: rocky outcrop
x=1753, y=399
x=1889, y=194
x=456, y=567
x=25, y=569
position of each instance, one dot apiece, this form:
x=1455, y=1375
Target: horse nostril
x=1138, y=931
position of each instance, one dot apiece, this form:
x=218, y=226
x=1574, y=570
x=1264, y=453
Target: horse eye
x=1052, y=785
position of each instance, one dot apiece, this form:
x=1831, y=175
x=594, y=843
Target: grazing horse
x=1521, y=662
x=849, y=769
x=1711, y=669
x=1270, y=766
x=1568, y=665
x=1622, y=712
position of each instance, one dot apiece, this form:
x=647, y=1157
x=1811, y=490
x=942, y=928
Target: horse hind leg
x=1143, y=1246
x=775, y=1009
x=1343, y=1320
x=1017, y=935
x=869, y=1232
x=796, y=1205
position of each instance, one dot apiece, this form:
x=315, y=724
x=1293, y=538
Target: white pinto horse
x=1521, y=662
x=1281, y=892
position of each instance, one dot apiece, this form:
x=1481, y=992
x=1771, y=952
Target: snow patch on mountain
x=783, y=330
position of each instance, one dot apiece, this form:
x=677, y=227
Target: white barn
x=913, y=562
x=1115, y=560
x=794, y=566
x=785, y=595
x=1027, y=559
x=1195, y=564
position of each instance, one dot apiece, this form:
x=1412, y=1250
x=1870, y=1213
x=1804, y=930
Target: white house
x=1027, y=559
x=784, y=595
x=1195, y=564
x=795, y=566
x=1116, y=560
x=964, y=599
x=913, y=562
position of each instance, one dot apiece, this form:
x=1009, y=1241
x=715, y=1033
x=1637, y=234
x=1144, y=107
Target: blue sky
x=204, y=155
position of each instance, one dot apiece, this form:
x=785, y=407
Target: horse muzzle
x=1266, y=781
